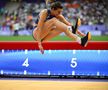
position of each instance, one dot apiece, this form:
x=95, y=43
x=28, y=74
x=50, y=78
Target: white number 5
x=73, y=63
x=26, y=64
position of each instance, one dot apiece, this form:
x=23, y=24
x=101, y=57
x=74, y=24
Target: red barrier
x=58, y=45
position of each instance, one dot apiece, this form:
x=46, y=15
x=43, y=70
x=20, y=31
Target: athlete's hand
x=41, y=48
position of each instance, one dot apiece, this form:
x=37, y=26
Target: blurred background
x=17, y=18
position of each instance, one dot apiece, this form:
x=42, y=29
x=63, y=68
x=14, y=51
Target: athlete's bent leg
x=48, y=26
x=52, y=34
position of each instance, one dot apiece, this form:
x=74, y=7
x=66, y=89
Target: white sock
x=70, y=28
x=78, y=40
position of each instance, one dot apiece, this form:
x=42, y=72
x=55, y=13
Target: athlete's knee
x=53, y=20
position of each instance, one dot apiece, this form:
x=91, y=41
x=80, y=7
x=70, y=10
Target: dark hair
x=56, y=5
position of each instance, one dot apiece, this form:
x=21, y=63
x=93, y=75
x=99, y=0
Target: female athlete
x=51, y=23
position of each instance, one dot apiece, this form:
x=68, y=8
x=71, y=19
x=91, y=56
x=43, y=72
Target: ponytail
x=49, y=1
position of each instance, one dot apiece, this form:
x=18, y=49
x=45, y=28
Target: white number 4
x=26, y=64
x=73, y=63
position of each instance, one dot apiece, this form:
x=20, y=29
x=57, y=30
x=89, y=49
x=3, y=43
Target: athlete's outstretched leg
x=64, y=28
x=52, y=34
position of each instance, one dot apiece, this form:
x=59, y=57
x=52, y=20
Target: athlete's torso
x=49, y=16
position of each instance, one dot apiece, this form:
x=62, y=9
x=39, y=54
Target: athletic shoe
x=74, y=30
x=84, y=40
x=78, y=23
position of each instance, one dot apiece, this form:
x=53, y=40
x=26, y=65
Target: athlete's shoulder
x=44, y=11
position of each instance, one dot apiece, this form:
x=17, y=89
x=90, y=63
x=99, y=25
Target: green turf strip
x=58, y=38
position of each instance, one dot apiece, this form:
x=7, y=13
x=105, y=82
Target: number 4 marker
x=26, y=64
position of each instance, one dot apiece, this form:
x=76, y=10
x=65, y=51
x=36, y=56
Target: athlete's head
x=56, y=8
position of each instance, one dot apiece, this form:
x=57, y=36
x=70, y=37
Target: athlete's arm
x=43, y=15
x=40, y=24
